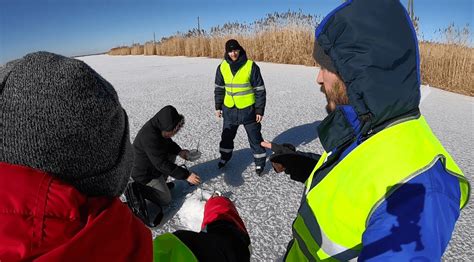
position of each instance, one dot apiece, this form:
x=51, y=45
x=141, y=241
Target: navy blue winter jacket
x=374, y=49
x=256, y=80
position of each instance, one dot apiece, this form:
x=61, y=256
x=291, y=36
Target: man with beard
x=385, y=188
x=240, y=98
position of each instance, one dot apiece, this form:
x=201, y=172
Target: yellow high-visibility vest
x=335, y=211
x=238, y=90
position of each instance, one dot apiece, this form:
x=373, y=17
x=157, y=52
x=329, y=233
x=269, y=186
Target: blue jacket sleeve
x=219, y=89
x=416, y=221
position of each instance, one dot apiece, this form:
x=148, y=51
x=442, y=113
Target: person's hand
x=259, y=118
x=218, y=113
x=266, y=144
x=193, y=179
x=278, y=167
x=184, y=154
x=277, y=148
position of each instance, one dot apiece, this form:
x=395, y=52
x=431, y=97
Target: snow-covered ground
x=295, y=106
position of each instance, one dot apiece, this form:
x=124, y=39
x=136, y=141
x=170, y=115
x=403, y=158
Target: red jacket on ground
x=221, y=208
x=223, y=236
x=45, y=219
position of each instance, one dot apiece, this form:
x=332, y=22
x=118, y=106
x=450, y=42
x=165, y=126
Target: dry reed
x=137, y=49
x=448, y=66
x=288, y=38
x=149, y=48
x=121, y=50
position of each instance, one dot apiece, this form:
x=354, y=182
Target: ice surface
x=295, y=106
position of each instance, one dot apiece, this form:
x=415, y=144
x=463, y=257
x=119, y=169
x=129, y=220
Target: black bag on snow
x=136, y=195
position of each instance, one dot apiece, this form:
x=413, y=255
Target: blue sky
x=74, y=27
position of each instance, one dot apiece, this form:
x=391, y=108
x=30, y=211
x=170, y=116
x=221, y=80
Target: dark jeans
x=233, y=118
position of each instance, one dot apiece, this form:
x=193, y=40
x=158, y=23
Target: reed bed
x=120, y=50
x=149, y=48
x=137, y=49
x=448, y=66
x=288, y=38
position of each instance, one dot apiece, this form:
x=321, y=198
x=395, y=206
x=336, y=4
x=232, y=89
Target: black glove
x=298, y=164
x=283, y=148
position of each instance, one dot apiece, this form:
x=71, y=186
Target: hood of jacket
x=374, y=49
x=44, y=219
x=166, y=119
x=236, y=65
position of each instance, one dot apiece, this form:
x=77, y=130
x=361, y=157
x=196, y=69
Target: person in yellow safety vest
x=240, y=98
x=385, y=189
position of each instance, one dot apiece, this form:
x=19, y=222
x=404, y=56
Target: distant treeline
x=288, y=38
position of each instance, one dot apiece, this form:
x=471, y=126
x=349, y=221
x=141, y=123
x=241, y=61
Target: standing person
x=65, y=158
x=156, y=152
x=240, y=99
x=385, y=189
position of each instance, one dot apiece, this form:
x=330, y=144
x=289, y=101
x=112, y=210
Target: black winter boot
x=170, y=185
x=221, y=164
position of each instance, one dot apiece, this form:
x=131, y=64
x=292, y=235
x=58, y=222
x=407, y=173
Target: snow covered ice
x=295, y=106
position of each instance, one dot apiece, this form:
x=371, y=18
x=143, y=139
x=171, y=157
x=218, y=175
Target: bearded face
x=334, y=89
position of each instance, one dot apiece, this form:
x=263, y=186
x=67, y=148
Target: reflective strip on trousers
x=240, y=93
x=225, y=150
x=328, y=247
x=238, y=85
x=260, y=155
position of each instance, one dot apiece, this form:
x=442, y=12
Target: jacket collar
x=343, y=127
x=236, y=65
x=339, y=128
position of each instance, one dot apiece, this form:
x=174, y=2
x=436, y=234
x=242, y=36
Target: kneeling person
x=155, y=154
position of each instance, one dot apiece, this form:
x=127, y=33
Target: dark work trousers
x=162, y=191
x=233, y=118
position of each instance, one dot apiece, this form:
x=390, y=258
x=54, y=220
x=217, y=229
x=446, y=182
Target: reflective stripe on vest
x=168, y=247
x=239, y=92
x=335, y=211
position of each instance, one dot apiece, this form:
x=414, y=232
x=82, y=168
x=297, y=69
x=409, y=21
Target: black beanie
x=322, y=58
x=59, y=116
x=232, y=44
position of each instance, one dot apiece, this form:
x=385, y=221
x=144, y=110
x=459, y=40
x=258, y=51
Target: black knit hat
x=59, y=116
x=232, y=44
x=322, y=58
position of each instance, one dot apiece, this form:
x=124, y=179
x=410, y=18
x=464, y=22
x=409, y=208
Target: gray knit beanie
x=59, y=116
